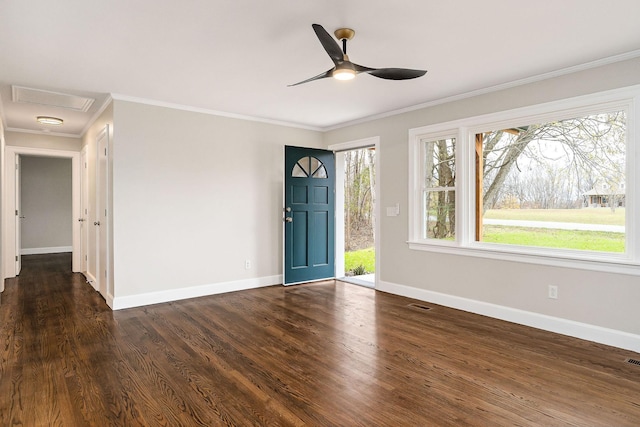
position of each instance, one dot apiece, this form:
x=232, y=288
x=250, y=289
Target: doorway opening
x=357, y=212
x=45, y=209
x=12, y=221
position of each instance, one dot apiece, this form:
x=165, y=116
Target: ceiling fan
x=344, y=69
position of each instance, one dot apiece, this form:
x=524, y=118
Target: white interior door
x=84, y=211
x=19, y=218
x=102, y=197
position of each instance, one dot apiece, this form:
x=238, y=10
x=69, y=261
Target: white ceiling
x=239, y=56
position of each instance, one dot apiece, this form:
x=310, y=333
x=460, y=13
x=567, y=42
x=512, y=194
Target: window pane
x=315, y=164
x=298, y=172
x=439, y=163
x=440, y=210
x=559, y=184
x=321, y=172
x=438, y=189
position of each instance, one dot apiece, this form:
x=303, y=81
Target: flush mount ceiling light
x=46, y=120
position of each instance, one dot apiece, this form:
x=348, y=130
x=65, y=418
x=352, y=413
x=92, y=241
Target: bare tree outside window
x=551, y=184
x=359, y=211
x=439, y=204
x=555, y=175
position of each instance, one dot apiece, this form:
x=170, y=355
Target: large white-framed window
x=551, y=184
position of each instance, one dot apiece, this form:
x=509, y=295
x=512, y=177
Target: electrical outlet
x=553, y=292
x=247, y=264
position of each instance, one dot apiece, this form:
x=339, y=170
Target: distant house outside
x=604, y=196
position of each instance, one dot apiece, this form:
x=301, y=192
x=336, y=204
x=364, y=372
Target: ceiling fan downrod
x=344, y=34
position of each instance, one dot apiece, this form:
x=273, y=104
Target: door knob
x=287, y=209
x=81, y=219
x=96, y=223
x=288, y=219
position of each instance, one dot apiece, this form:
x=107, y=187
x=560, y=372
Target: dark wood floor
x=327, y=354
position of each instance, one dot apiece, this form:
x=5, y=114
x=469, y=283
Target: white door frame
x=17, y=173
x=9, y=226
x=84, y=211
x=102, y=281
x=339, y=240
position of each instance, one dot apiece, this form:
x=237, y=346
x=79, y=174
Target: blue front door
x=309, y=214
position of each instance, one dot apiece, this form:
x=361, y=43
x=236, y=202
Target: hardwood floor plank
x=321, y=354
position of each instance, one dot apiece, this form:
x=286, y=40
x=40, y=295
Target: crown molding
x=521, y=82
x=97, y=114
x=40, y=132
x=120, y=97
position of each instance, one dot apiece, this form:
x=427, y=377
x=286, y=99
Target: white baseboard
x=40, y=251
x=109, y=301
x=119, y=303
x=558, y=325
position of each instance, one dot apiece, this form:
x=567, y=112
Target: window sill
x=609, y=263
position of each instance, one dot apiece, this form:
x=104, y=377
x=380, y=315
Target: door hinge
x=16, y=212
x=16, y=258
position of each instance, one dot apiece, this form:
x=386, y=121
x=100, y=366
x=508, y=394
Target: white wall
x=49, y=142
x=194, y=196
x=2, y=214
x=46, y=200
x=601, y=299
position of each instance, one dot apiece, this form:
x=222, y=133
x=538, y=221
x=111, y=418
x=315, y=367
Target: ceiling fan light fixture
x=347, y=70
x=47, y=120
x=343, y=74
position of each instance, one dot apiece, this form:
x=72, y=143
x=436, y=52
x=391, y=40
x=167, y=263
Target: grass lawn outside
x=552, y=238
x=364, y=257
x=581, y=216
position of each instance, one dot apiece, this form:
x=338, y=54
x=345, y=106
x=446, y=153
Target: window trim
x=464, y=131
x=419, y=184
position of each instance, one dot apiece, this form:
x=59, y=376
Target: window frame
x=464, y=130
x=420, y=188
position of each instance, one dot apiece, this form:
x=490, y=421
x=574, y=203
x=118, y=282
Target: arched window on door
x=309, y=167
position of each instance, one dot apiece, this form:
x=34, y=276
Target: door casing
x=101, y=224
x=18, y=214
x=347, y=146
x=10, y=235
x=84, y=212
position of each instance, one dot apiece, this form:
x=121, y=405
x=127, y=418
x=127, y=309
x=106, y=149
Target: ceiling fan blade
x=362, y=69
x=318, y=77
x=329, y=44
x=396, y=73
